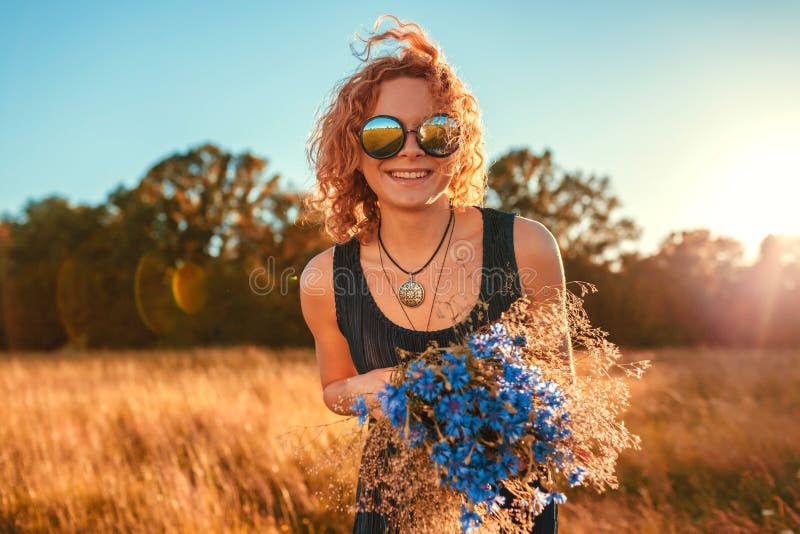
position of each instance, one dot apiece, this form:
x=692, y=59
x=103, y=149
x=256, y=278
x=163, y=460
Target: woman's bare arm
x=339, y=378
x=542, y=272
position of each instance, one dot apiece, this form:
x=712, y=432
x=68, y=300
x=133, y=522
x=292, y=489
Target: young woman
x=401, y=177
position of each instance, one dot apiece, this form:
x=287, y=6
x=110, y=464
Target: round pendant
x=411, y=293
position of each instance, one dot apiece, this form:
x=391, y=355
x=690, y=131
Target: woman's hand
x=375, y=381
x=340, y=394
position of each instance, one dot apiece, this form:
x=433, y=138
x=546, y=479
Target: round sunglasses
x=383, y=136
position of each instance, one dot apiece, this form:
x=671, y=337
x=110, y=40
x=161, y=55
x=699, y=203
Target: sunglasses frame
x=404, y=132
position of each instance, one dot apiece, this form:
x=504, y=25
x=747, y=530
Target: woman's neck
x=411, y=236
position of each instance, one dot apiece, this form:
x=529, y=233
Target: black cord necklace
x=411, y=293
x=435, y=289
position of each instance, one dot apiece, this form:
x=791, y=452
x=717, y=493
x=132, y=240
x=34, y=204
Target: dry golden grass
x=152, y=442
x=720, y=450
x=195, y=442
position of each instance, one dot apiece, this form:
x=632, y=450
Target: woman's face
x=410, y=100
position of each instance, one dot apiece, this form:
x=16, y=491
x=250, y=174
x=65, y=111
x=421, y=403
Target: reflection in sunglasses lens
x=382, y=137
x=437, y=136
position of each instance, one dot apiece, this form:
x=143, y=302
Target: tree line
x=206, y=250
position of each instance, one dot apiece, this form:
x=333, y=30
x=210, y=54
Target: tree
x=218, y=213
x=710, y=264
x=211, y=203
x=580, y=212
x=698, y=274
x=39, y=244
x=771, y=289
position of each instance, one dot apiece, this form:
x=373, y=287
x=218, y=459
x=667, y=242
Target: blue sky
x=691, y=108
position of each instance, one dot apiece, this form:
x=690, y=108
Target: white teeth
x=410, y=175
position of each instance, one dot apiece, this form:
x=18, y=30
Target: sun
x=756, y=192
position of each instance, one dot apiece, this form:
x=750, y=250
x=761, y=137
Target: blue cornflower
x=542, y=450
x=469, y=519
x=441, y=453
x=451, y=408
x=521, y=401
x=478, y=488
x=496, y=503
x=513, y=428
x=360, y=408
x=425, y=385
x=481, y=345
x=455, y=370
x=494, y=412
x=479, y=393
x=471, y=425
x=393, y=404
x=550, y=394
x=558, y=498
x=521, y=377
x=576, y=476
x=458, y=427
x=465, y=469
x=514, y=374
x=509, y=464
x=499, y=332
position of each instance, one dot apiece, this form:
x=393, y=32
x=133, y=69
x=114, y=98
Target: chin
x=412, y=202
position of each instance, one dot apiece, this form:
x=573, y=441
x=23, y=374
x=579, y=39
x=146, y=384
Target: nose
x=411, y=148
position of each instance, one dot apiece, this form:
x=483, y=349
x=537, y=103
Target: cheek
x=369, y=168
x=365, y=163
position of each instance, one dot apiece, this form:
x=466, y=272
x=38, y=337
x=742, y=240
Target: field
x=197, y=441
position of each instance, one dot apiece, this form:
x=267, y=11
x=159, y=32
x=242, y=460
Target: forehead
x=408, y=99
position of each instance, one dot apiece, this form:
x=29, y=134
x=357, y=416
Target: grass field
x=196, y=441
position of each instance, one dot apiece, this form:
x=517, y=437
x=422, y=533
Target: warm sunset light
x=210, y=218
x=756, y=190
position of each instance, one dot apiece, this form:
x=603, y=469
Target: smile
x=409, y=175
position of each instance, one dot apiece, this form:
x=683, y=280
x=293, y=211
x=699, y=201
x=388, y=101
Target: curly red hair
x=341, y=196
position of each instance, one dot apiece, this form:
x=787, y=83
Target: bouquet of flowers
x=502, y=409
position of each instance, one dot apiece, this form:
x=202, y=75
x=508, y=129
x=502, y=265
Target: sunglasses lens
x=438, y=136
x=382, y=137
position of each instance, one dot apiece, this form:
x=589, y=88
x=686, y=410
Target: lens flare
x=189, y=287
x=153, y=292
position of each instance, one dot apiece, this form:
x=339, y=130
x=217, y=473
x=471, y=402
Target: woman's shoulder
x=535, y=247
x=525, y=229
x=538, y=255
x=533, y=233
x=317, y=275
x=316, y=278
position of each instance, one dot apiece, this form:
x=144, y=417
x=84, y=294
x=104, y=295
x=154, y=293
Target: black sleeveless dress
x=372, y=337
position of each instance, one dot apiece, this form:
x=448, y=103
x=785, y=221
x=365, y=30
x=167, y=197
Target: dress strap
x=503, y=277
x=346, y=287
